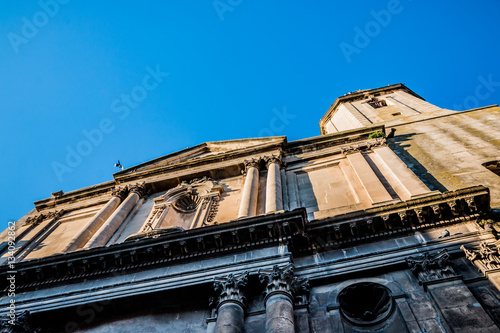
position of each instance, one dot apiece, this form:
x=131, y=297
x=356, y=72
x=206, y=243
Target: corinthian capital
x=273, y=159
x=283, y=280
x=139, y=188
x=231, y=288
x=120, y=192
x=252, y=163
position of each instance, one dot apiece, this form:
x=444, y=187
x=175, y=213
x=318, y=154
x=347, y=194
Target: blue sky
x=135, y=80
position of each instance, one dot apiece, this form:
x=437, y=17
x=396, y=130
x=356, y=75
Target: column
x=97, y=221
x=274, y=199
x=106, y=231
x=408, y=180
x=248, y=205
x=281, y=288
x=230, y=303
x=367, y=177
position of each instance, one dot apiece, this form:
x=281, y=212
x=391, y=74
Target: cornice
x=198, y=162
x=80, y=195
x=193, y=244
x=333, y=139
x=399, y=218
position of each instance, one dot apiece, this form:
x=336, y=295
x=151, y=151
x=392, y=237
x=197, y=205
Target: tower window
x=377, y=103
x=493, y=166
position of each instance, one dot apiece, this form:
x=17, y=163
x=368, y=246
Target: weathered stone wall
x=447, y=152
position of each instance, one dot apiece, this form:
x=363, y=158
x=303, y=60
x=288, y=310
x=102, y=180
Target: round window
x=365, y=303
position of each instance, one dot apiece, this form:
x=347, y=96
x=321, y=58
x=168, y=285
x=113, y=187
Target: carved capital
x=273, y=159
x=120, y=192
x=231, y=288
x=282, y=280
x=34, y=220
x=252, y=163
x=55, y=214
x=139, y=188
x=484, y=256
x=431, y=267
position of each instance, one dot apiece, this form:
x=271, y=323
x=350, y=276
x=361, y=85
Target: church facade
x=384, y=222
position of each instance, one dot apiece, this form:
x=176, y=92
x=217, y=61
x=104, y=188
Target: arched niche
x=191, y=204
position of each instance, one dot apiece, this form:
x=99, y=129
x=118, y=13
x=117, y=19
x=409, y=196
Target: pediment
x=205, y=150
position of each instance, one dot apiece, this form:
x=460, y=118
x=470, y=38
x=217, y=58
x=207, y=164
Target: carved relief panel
x=189, y=205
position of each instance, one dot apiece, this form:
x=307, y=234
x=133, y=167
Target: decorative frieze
x=430, y=268
x=416, y=214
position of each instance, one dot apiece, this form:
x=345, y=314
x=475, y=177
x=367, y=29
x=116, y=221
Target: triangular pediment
x=206, y=150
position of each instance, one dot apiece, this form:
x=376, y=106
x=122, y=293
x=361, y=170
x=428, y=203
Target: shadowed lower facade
x=384, y=222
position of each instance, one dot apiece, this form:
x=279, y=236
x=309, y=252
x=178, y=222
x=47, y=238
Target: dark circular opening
x=365, y=303
x=187, y=203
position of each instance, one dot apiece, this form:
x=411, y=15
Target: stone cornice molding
x=161, y=249
x=402, y=217
x=37, y=219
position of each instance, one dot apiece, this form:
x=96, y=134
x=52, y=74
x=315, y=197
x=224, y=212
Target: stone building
x=385, y=222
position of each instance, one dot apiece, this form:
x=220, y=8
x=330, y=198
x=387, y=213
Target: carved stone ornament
x=18, y=324
x=431, y=267
x=37, y=219
x=283, y=280
x=120, y=192
x=377, y=142
x=350, y=150
x=201, y=194
x=230, y=288
x=486, y=257
x=252, y=163
x=187, y=196
x=139, y=188
x=273, y=159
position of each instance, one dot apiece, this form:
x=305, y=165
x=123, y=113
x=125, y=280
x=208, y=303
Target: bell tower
x=387, y=105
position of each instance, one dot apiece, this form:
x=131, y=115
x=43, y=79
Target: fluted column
x=230, y=303
x=248, y=205
x=274, y=198
x=97, y=221
x=281, y=288
x=106, y=231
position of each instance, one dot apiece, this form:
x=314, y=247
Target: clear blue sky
x=232, y=66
